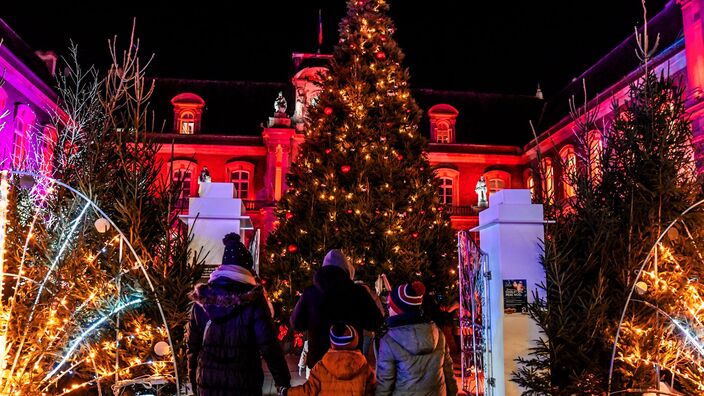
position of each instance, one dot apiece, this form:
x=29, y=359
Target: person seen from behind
x=230, y=329
x=343, y=369
x=413, y=359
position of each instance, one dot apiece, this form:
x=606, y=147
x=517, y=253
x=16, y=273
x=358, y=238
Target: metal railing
x=461, y=211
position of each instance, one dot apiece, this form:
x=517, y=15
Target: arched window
x=188, y=109
x=3, y=103
x=446, y=190
x=182, y=172
x=443, y=131
x=548, y=183
x=496, y=180
x=241, y=174
x=595, y=146
x=529, y=182
x=442, y=123
x=24, y=121
x=569, y=168
x=449, y=186
x=187, y=123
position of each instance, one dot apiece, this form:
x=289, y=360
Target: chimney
x=49, y=58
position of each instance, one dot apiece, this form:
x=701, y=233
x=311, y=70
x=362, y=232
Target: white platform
x=212, y=215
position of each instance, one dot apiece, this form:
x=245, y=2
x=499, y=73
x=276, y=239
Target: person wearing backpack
x=230, y=328
x=413, y=359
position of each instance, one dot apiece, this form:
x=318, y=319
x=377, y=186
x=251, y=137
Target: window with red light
x=182, y=172
x=443, y=131
x=446, y=190
x=569, y=164
x=187, y=123
x=595, y=146
x=529, y=182
x=548, y=183
x=240, y=180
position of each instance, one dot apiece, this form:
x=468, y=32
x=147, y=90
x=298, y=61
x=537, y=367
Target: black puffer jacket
x=332, y=298
x=225, y=359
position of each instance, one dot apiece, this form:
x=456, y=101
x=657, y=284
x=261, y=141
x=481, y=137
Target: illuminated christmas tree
x=95, y=274
x=362, y=182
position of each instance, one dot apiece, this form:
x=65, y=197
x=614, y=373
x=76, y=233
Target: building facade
x=230, y=127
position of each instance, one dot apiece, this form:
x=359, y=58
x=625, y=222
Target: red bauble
x=349, y=211
x=327, y=110
x=328, y=151
x=289, y=215
x=400, y=157
x=345, y=168
x=415, y=235
x=360, y=3
x=381, y=55
x=292, y=248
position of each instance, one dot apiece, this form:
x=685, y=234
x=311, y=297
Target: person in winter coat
x=333, y=298
x=230, y=326
x=343, y=369
x=413, y=358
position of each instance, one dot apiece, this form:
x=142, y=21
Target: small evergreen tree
x=362, y=181
x=594, y=252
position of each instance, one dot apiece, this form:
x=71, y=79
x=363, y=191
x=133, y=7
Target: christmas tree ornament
x=102, y=225
x=289, y=215
x=345, y=168
x=292, y=248
x=162, y=348
x=327, y=110
x=27, y=181
x=381, y=55
x=328, y=151
x=641, y=287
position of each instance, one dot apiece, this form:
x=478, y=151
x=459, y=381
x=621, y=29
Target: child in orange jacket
x=343, y=369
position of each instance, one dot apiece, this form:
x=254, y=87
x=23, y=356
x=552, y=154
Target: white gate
x=475, y=311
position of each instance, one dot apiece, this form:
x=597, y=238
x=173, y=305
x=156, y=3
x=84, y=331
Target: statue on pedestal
x=481, y=193
x=204, y=175
x=280, y=105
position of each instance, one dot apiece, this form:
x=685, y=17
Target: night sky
x=489, y=46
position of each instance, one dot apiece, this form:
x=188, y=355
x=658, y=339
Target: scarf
x=235, y=273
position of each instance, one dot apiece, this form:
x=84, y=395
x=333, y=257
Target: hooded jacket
x=413, y=360
x=333, y=297
x=338, y=373
x=230, y=326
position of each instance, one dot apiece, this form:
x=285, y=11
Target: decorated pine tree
x=362, y=182
x=623, y=263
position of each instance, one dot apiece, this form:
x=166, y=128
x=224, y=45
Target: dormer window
x=188, y=110
x=187, y=123
x=442, y=123
x=443, y=131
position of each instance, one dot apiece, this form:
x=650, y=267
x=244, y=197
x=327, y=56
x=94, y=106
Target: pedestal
x=511, y=231
x=211, y=216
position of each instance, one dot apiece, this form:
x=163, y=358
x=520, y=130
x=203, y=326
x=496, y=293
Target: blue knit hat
x=235, y=252
x=343, y=336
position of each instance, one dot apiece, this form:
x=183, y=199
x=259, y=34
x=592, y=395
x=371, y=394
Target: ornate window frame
x=188, y=108
x=442, y=118
x=568, y=159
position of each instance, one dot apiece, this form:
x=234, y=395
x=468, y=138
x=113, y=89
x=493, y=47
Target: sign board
x=515, y=296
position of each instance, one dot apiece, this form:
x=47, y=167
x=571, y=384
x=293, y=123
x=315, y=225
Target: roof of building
x=484, y=118
x=239, y=108
x=608, y=75
x=231, y=107
x=12, y=42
